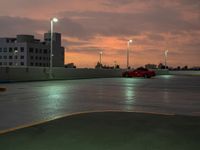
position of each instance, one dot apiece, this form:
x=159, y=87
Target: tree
x=70, y=65
x=185, y=68
x=98, y=65
x=117, y=66
x=161, y=66
x=150, y=66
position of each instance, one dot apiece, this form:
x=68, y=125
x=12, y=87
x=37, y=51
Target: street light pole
x=51, y=48
x=128, y=49
x=166, y=53
x=100, y=58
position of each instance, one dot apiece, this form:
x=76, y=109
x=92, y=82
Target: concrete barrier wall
x=37, y=73
x=161, y=71
x=184, y=72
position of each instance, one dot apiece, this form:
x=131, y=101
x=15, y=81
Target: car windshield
x=142, y=69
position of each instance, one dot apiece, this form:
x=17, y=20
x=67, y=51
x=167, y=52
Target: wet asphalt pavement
x=30, y=102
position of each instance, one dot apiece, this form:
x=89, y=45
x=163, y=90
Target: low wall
x=9, y=74
x=161, y=71
x=38, y=73
x=184, y=72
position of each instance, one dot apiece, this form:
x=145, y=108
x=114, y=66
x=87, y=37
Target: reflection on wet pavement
x=25, y=103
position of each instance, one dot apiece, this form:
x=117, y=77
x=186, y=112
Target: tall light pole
x=51, y=48
x=166, y=53
x=100, y=57
x=128, y=49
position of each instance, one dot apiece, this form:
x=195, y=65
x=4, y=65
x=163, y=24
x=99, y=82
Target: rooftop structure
x=25, y=50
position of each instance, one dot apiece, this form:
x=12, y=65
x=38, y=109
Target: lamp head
x=55, y=19
x=166, y=52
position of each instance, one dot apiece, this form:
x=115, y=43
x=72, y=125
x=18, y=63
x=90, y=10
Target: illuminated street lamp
x=166, y=54
x=51, y=48
x=128, y=49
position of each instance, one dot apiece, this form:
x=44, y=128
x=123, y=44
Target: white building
x=25, y=50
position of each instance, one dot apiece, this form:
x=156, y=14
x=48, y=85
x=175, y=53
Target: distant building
x=25, y=50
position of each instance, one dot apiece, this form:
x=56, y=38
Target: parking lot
x=23, y=104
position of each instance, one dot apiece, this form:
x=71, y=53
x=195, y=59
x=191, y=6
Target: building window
x=36, y=50
x=22, y=49
x=36, y=64
x=36, y=57
x=0, y=57
x=44, y=58
x=45, y=51
x=40, y=51
x=10, y=63
x=10, y=49
x=31, y=64
x=5, y=49
x=10, y=57
x=5, y=57
x=32, y=57
x=31, y=50
x=22, y=57
x=0, y=63
x=0, y=49
x=16, y=57
x=40, y=58
x=15, y=48
x=22, y=63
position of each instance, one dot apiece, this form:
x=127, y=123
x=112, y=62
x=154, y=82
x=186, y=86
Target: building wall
x=13, y=54
x=24, y=50
x=58, y=51
x=38, y=55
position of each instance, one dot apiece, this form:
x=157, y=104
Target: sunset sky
x=91, y=26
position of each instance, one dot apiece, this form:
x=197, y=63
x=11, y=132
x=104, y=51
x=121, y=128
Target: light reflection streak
x=130, y=93
x=54, y=98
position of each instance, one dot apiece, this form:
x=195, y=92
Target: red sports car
x=139, y=72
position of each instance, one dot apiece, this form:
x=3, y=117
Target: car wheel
x=126, y=75
x=146, y=76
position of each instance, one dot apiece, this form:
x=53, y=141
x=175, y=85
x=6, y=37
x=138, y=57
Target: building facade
x=25, y=50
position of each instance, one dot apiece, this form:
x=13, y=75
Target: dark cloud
x=71, y=28
x=85, y=50
x=117, y=3
x=10, y=26
x=76, y=43
x=155, y=37
x=120, y=24
x=193, y=3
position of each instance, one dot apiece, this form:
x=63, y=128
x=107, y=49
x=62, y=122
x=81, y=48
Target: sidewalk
x=108, y=131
